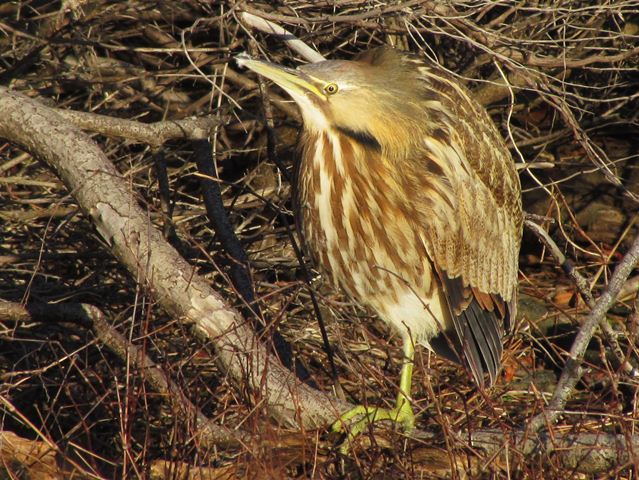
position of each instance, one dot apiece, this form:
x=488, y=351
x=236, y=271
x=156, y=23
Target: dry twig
x=573, y=370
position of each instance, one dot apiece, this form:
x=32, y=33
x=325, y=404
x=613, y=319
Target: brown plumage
x=409, y=199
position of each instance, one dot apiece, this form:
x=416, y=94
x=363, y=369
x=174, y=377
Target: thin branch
x=430, y=6
x=208, y=432
x=566, y=265
x=287, y=37
x=271, y=152
x=154, y=134
x=573, y=370
x=239, y=268
x=583, y=286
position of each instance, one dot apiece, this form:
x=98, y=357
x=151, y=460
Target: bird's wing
x=472, y=218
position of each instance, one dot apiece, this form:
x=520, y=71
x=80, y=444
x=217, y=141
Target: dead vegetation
x=102, y=376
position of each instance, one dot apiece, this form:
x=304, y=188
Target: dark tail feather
x=484, y=342
x=478, y=331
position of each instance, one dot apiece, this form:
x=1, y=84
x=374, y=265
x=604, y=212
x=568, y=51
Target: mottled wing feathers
x=471, y=210
x=471, y=233
x=453, y=164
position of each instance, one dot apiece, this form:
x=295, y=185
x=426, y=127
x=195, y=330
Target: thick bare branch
x=583, y=452
x=105, y=197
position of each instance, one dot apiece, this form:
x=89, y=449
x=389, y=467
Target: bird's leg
x=405, y=413
x=402, y=413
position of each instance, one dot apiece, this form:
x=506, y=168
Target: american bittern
x=409, y=199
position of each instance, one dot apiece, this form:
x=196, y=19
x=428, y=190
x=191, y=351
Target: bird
x=408, y=199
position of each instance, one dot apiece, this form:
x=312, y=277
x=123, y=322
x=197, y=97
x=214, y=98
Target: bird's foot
x=402, y=414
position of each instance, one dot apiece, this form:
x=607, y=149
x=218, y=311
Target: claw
x=402, y=414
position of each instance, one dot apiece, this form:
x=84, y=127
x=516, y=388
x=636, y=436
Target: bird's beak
x=293, y=81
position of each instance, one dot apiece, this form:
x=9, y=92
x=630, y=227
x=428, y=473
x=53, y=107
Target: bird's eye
x=331, y=88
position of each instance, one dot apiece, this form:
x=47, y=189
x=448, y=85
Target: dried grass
x=569, y=110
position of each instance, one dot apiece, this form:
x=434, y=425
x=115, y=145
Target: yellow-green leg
x=402, y=413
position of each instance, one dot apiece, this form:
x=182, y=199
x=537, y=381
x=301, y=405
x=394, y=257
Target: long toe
x=400, y=415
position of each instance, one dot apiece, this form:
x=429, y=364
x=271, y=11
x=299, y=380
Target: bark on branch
x=153, y=134
x=105, y=197
x=582, y=452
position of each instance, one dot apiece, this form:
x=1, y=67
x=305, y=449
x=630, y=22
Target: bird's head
x=369, y=98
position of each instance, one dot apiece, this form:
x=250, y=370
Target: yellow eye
x=331, y=88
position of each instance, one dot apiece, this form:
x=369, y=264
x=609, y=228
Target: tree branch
x=573, y=370
x=583, y=287
x=105, y=197
x=287, y=37
x=208, y=432
x=153, y=134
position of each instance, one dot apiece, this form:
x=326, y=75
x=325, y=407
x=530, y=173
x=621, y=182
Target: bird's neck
x=341, y=155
